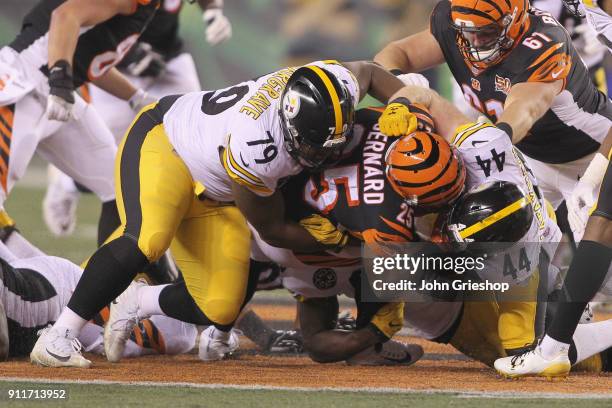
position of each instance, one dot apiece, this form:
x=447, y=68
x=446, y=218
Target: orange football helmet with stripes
x=488, y=29
x=426, y=170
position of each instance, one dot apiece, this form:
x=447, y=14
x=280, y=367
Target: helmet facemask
x=486, y=45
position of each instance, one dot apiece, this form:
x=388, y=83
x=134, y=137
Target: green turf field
x=113, y=395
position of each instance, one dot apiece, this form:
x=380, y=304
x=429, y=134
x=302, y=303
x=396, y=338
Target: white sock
x=71, y=321
x=592, y=338
x=551, y=348
x=148, y=301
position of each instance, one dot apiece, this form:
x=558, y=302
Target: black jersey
x=99, y=48
x=580, y=116
x=163, y=31
x=355, y=192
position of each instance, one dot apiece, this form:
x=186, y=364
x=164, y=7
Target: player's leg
x=212, y=248
x=585, y=277
x=154, y=189
x=85, y=150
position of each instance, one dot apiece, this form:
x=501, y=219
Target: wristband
x=596, y=170
x=403, y=101
x=506, y=128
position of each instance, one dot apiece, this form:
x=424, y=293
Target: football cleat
x=532, y=363
x=58, y=347
x=389, y=353
x=216, y=344
x=60, y=203
x=123, y=316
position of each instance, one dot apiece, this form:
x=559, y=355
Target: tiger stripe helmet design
x=317, y=115
x=426, y=170
x=488, y=29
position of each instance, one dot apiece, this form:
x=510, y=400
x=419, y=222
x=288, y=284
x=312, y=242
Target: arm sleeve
x=548, y=56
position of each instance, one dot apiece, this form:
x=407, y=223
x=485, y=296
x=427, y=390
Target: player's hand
x=143, y=61
x=397, y=120
x=140, y=99
x=414, y=79
x=218, y=27
x=583, y=198
x=60, y=101
x=388, y=320
x=325, y=232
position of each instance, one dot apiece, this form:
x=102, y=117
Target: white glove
x=59, y=109
x=218, y=27
x=584, y=196
x=590, y=45
x=140, y=99
x=414, y=79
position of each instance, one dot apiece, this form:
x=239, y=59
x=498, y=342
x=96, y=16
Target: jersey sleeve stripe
x=241, y=169
x=493, y=218
x=334, y=98
x=239, y=177
x=464, y=133
x=546, y=54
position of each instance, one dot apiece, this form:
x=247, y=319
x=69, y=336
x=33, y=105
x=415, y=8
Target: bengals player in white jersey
x=190, y=169
x=39, y=110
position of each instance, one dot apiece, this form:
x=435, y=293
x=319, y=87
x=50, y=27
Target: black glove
x=61, y=83
x=142, y=61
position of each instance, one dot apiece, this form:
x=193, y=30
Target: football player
x=190, y=171
x=597, y=13
x=39, y=109
x=591, y=263
x=519, y=68
x=160, y=66
x=354, y=192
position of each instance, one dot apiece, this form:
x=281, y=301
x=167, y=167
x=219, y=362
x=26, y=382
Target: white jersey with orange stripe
x=488, y=155
x=235, y=133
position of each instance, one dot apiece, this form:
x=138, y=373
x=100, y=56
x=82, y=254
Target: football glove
x=397, y=120
x=286, y=341
x=414, y=79
x=218, y=27
x=140, y=99
x=388, y=320
x=584, y=196
x=325, y=232
x=61, y=92
x=142, y=61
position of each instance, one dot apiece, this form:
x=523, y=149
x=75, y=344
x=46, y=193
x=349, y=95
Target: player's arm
x=414, y=53
x=67, y=20
x=267, y=216
x=526, y=103
x=374, y=79
x=446, y=116
x=4, y=335
x=115, y=83
x=322, y=341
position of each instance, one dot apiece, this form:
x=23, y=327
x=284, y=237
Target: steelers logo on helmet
x=497, y=211
x=291, y=104
x=488, y=29
x=317, y=116
x=426, y=170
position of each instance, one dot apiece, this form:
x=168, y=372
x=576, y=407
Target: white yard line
x=458, y=393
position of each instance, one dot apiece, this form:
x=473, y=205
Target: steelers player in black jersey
x=518, y=67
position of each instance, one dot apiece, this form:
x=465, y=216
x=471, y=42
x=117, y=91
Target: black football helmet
x=316, y=115
x=497, y=211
